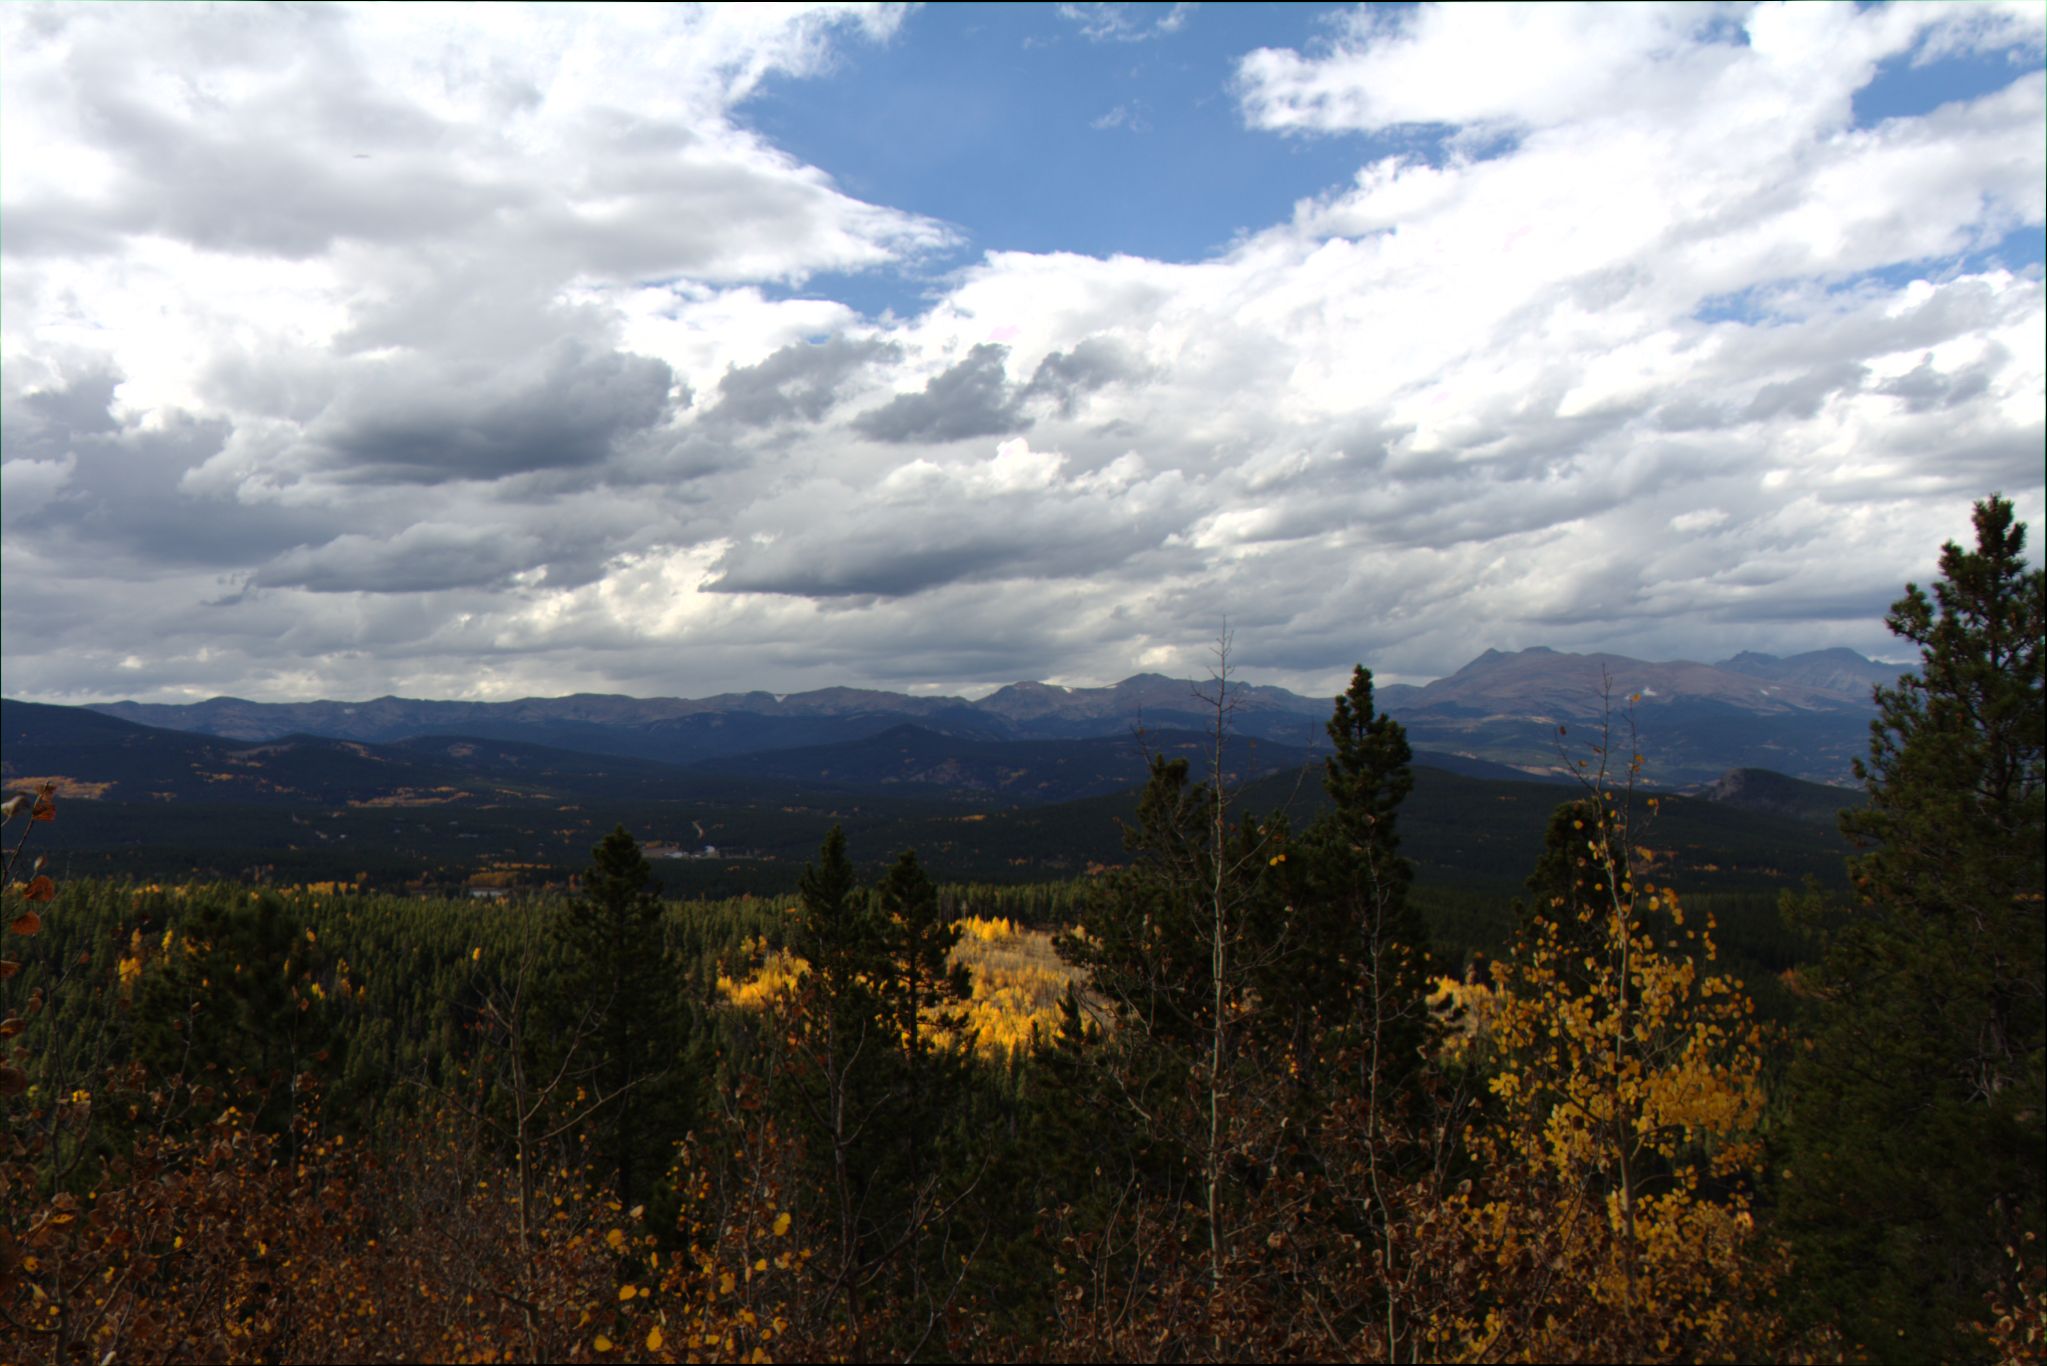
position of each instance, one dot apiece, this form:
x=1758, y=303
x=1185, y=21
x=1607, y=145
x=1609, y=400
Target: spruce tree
x=1916, y=1149
x=1144, y=944
x=620, y=1000
x=1367, y=975
x=919, y=939
x=924, y=992
x=873, y=1080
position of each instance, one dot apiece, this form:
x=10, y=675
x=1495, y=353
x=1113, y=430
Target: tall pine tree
x=1367, y=976
x=1917, y=1151
x=620, y=1001
x=874, y=1081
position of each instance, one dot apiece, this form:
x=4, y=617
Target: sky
x=499, y=351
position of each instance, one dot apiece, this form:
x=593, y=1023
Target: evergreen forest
x=1250, y=1092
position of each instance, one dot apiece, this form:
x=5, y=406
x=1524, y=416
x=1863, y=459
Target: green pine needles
x=1914, y=1151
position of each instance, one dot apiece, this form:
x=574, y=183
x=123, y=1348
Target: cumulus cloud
x=1065, y=377
x=451, y=353
x=968, y=399
x=598, y=139
x=974, y=397
x=101, y=487
x=800, y=381
x=1486, y=65
x=1019, y=515
x=566, y=408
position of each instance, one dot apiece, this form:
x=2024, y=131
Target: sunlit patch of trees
x=1221, y=1101
x=1017, y=980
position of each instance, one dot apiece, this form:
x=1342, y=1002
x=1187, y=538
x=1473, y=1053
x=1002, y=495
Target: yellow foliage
x=1018, y=980
x=1628, y=1088
x=776, y=976
x=986, y=930
x=1466, y=1008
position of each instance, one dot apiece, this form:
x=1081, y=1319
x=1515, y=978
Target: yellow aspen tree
x=1611, y=1217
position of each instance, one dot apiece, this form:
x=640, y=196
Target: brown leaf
x=39, y=888
x=28, y=922
x=8, y=967
x=13, y=1081
x=12, y=1026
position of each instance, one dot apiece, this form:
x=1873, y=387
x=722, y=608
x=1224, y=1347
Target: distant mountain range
x=1805, y=716
x=106, y=758
x=683, y=729
x=442, y=810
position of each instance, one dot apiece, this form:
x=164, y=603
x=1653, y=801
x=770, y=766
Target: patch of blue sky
x=905, y=290
x=1024, y=133
x=1746, y=306
x=1910, y=84
x=2017, y=251
x=1726, y=26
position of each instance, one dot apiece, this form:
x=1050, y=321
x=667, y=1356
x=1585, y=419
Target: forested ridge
x=1249, y=1093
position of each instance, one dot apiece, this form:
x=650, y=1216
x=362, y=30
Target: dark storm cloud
x=973, y=398
x=1925, y=388
x=885, y=568
x=569, y=411
x=1064, y=376
x=897, y=560
x=799, y=381
x=420, y=559
x=45, y=424
x=929, y=526
x=118, y=495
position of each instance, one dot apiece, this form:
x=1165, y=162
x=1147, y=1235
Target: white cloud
x=1487, y=67
x=1133, y=115
x=1122, y=23
x=1654, y=350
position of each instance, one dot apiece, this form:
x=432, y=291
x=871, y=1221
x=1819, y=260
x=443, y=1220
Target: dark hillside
x=1023, y=771
x=447, y=808
x=1772, y=794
